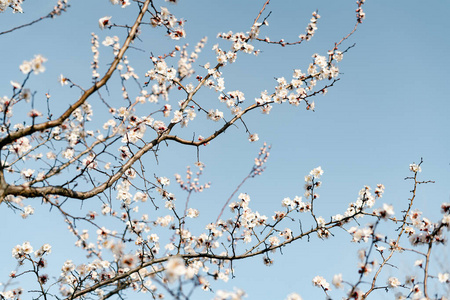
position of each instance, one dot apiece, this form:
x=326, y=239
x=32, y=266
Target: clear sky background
x=389, y=109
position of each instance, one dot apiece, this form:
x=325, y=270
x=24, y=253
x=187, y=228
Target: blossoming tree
x=87, y=159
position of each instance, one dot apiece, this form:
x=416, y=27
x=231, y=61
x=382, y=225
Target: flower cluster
x=20, y=251
x=193, y=183
x=423, y=231
x=360, y=14
x=12, y=294
x=124, y=3
x=321, y=282
x=311, y=28
x=296, y=91
x=14, y=4
x=94, y=64
x=261, y=160
x=173, y=25
x=312, y=182
x=36, y=65
x=226, y=295
x=233, y=100
x=240, y=42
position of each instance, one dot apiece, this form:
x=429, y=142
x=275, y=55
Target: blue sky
x=389, y=109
